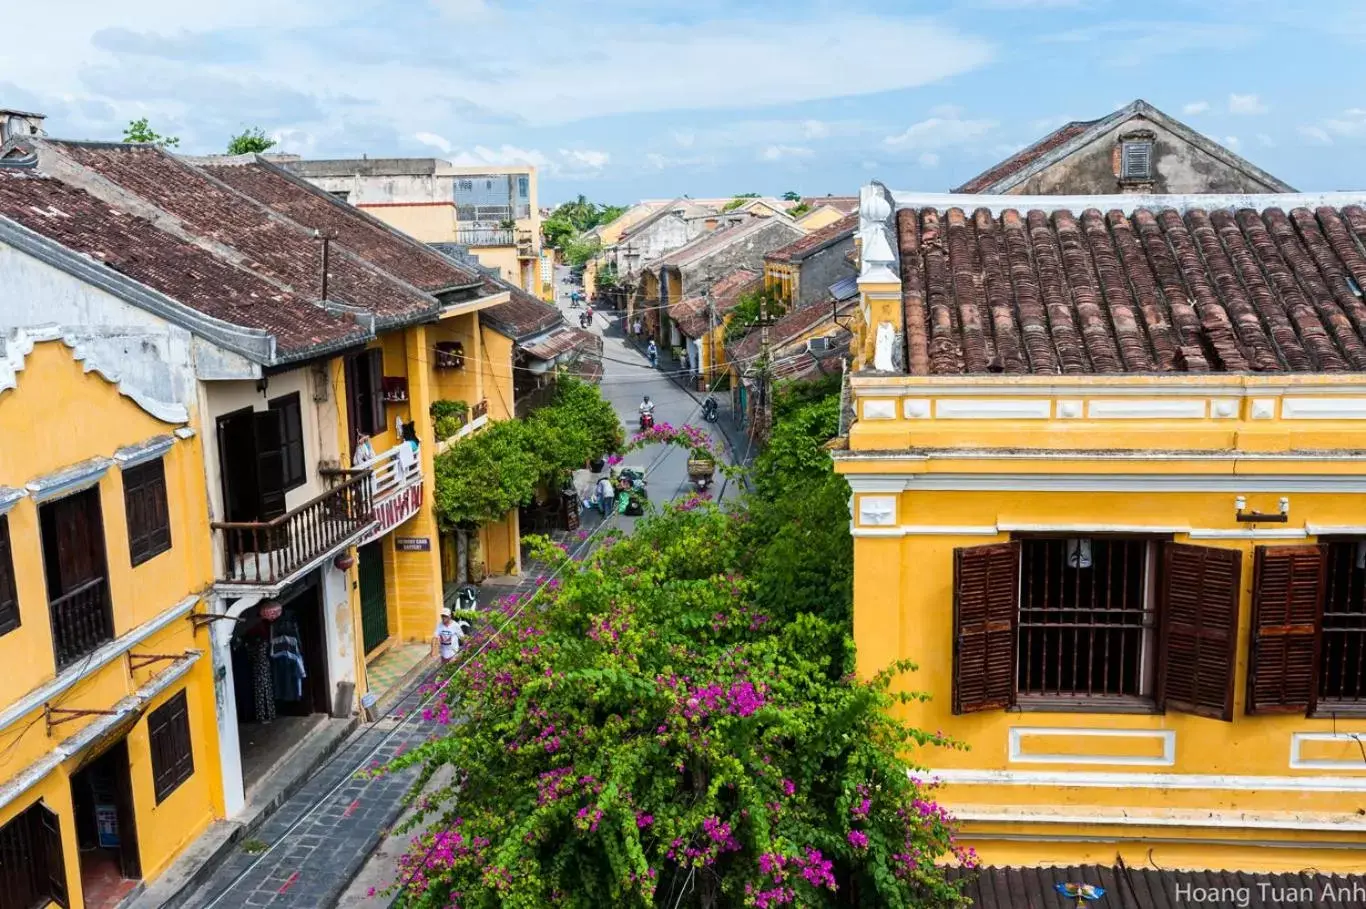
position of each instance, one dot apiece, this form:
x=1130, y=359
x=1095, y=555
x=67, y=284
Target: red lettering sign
x=394, y=510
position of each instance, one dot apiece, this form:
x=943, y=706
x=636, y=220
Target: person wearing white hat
x=447, y=637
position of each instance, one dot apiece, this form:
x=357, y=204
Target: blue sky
x=624, y=99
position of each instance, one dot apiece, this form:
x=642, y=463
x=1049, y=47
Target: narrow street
x=326, y=845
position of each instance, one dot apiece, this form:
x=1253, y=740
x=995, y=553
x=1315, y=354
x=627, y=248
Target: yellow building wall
x=821, y=216
x=430, y=222
x=781, y=278
x=1031, y=787
x=459, y=384
x=497, y=374
x=505, y=259
x=52, y=387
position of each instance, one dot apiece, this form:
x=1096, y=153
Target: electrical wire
x=423, y=702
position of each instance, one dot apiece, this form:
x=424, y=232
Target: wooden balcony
x=269, y=553
x=480, y=409
x=81, y=621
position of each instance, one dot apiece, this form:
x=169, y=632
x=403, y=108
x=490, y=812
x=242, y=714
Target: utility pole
x=708, y=376
x=763, y=410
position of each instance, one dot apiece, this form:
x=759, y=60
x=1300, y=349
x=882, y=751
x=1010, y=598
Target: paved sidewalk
x=311, y=855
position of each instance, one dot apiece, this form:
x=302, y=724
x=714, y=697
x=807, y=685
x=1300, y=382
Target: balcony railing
x=388, y=471
x=481, y=409
x=81, y=621
x=533, y=399
x=478, y=236
x=268, y=552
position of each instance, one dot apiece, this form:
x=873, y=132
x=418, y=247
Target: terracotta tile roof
x=1026, y=156
x=801, y=365
x=783, y=331
x=1156, y=291
x=522, y=315
x=846, y=204
x=816, y=240
x=272, y=245
x=713, y=242
x=691, y=314
x=562, y=340
x=1148, y=888
x=183, y=271
x=368, y=237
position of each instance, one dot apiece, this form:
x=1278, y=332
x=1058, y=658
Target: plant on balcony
x=641, y=736
x=448, y=417
x=486, y=475
x=507, y=224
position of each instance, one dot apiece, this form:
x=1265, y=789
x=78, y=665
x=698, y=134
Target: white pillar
x=225, y=703
x=338, y=623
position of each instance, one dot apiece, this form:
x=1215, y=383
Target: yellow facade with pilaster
x=136, y=648
x=1199, y=466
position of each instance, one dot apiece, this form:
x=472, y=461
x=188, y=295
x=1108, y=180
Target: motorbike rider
x=647, y=411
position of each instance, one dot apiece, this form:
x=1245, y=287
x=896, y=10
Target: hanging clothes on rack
x=262, y=686
x=287, y=660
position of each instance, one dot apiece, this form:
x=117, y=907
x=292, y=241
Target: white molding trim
x=1224, y=408
x=153, y=448
x=1344, y=530
x=1297, y=739
x=1139, y=386
x=920, y=530
x=1016, y=755
x=1100, y=780
x=1327, y=408
x=992, y=409
x=1034, y=482
x=185, y=432
x=9, y=497
x=1263, y=409
x=1079, y=454
x=103, y=656
x=916, y=408
x=1145, y=410
x=1215, y=819
x=1006, y=526
x=1270, y=533
x=1071, y=409
x=69, y=480
x=879, y=483
x=21, y=782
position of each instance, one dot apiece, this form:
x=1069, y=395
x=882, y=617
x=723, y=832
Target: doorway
x=106, y=828
x=252, y=460
x=280, y=680
x=374, y=613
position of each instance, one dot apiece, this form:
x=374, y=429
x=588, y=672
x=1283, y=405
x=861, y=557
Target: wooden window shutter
x=1287, y=609
x=168, y=729
x=51, y=855
x=1199, y=609
x=9, y=597
x=376, y=391
x=270, y=464
x=986, y=608
x=352, y=378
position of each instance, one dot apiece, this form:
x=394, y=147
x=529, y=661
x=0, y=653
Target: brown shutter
x=1287, y=610
x=9, y=598
x=986, y=608
x=377, y=415
x=270, y=464
x=1199, y=610
x=50, y=854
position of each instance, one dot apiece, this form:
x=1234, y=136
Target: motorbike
x=647, y=420
x=467, y=597
x=585, y=320
x=709, y=409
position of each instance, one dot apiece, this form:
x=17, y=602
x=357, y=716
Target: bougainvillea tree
x=639, y=736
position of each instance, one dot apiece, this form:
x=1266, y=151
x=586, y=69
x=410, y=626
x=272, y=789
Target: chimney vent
x=16, y=124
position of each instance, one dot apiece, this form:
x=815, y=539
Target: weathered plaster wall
x=823, y=268
x=747, y=252
x=1179, y=166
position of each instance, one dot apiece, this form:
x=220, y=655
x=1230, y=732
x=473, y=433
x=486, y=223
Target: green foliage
x=564, y=225
x=738, y=200
x=140, y=131
x=578, y=250
x=557, y=231
x=250, y=141
x=607, y=277
x=798, y=528
x=494, y=471
x=745, y=315
x=798, y=210
x=448, y=417
x=792, y=196
x=640, y=736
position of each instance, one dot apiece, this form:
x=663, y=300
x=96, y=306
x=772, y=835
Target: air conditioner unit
x=818, y=345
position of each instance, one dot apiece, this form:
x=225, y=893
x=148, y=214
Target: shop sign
x=413, y=544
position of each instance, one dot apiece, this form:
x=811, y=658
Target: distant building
x=1136, y=149
x=490, y=210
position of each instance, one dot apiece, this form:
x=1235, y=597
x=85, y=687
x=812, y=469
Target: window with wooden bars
x=365, y=392
x=1308, y=648
x=1102, y=623
x=168, y=727
x=292, y=435
x=149, y=518
x=32, y=866
x=9, y=597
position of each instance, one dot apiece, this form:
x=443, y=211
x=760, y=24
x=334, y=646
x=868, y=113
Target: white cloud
x=785, y=153
x=1232, y=142
x=815, y=129
x=1265, y=141
x=1140, y=43
x=503, y=154
x=929, y=159
x=1316, y=134
x=435, y=141
x=685, y=138
x=589, y=158
x=939, y=132
x=1195, y=107
x=672, y=162
x=1246, y=104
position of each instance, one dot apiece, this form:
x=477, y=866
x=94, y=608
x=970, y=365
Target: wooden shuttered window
x=1199, y=609
x=365, y=393
x=168, y=727
x=986, y=606
x=1287, y=607
x=9, y=597
x=149, y=518
x=32, y=864
x=292, y=429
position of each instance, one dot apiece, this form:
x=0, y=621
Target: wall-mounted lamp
x=1261, y=517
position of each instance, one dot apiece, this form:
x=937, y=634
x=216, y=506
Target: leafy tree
x=577, y=250
x=607, y=277
x=643, y=736
x=557, y=230
x=792, y=196
x=748, y=306
x=252, y=140
x=609, y=213
x=798, y=210
x=738, y=200
x=140, y=131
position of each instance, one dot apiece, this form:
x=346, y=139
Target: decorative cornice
x=141, y=453
x=68, y=480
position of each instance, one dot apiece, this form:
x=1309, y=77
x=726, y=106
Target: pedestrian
x=635, y=328
x=365, y=452
x=605, y=495
x=652, y=352
x=446, y=638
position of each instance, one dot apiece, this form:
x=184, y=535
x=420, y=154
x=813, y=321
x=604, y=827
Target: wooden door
x=269, y=429
x=374, y=613
x=237, y=464
x=73, y=541
x=116, y=760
